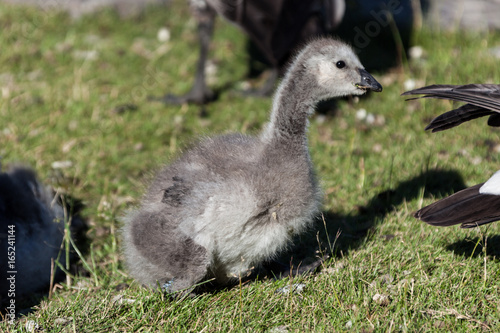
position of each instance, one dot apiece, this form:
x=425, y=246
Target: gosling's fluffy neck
x=293, y=103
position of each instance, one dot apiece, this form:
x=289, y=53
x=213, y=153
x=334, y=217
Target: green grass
x=59, y=106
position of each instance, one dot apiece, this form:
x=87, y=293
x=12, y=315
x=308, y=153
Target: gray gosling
x=234, y=201
x=31, y=233
x=478, y=204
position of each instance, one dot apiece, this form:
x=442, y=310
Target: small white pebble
x=73, y=125
x=463, y=152
x=320, y=119
x=138, y=146
x=116, y=298
x=31, y=326
x=361, y=114
x=405, y=282
x=83, y=284
x=386, y=278
x=163, y=35
x=348, y=324
x=66, y=147
x=410, y=84
x=5, y=92
x=211, y=72
x=476, y=160
x=279, y=329
x=295, y=288
x=381, y=299
x=377, y=148
x=245, y=85
x=61, y=164
x=416, y=52
x=63, y=320
x=495, y=51
x=34, y=75
x=85, y=55
x=178, y=119
x=7, y=78
x=379, y=120
x=370, y=118
x=92, y=39
x=120, y=299
x=334, y=270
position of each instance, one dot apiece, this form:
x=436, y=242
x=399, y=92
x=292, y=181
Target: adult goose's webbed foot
x=267, y=88
x=198, y=96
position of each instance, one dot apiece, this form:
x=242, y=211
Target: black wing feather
x=467, y=207
x=482, y=99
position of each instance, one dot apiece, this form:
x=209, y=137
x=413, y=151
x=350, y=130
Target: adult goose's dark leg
x=199, y=93
x=267, y=88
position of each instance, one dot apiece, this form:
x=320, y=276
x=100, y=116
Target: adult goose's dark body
x=34, y=219
x=479, y=204
x=276, y=27
x=233, y=201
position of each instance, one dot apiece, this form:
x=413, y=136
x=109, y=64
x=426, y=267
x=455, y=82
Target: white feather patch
x=492, y=186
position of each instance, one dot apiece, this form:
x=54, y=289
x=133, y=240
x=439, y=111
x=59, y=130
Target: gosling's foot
x=280, y=270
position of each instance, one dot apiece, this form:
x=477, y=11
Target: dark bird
x=471, y=207
x=482, y=100
x=234, y=201
x=276, y=27
x=32, y=228
x=479, y=204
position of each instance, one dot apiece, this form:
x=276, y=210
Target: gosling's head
x=335, y=70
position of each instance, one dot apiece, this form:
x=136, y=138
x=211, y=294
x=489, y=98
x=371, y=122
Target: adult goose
x=276, y=27
x=234, y=201
x=32, y=227
x=479, y=204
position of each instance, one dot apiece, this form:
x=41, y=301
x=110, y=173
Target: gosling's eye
x=340, y=64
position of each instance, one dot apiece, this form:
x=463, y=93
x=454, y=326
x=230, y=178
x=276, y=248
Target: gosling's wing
x=471, y=207
x=482, y=99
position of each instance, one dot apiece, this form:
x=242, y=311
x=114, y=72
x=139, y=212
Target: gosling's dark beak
x=368, y=82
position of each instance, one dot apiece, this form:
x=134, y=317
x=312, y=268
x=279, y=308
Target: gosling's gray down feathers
x=234, y=201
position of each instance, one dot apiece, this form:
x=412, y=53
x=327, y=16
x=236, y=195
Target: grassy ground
x=77, y=91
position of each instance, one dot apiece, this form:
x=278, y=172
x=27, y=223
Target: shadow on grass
x=339, y=234
x=474, y=247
